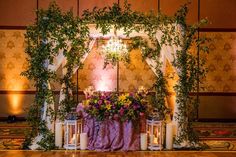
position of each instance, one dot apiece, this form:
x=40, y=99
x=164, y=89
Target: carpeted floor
x=215, y=131
x=12, y=135
x=217, y=136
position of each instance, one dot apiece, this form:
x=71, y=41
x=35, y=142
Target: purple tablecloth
x=111, y=135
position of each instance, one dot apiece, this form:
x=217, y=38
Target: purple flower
x=131, y=94
x=97, y=106
x=135, y=107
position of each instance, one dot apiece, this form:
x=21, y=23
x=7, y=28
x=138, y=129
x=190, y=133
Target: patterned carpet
x=216, y=131
x=217, y=136
x=12, y=135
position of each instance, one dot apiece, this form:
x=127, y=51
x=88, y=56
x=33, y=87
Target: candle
x=143, y=140
x=83, y=141
x=58, y=135
x=155, y=140
x=151, y=138
x=72, y=141
x=169, y=136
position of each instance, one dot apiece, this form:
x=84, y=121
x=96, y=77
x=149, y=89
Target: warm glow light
x=101, y=86
x=15, y=100
x=15, y=104
x=115, y=45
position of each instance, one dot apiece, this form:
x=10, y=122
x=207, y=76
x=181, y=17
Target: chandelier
x=114, y=51
x=115, y=45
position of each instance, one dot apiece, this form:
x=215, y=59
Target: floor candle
x=169, y=136
x=143, y=140
x=58, y=135
x=83, y=141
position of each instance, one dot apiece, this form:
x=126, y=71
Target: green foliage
x=54, y=30
x=48, y=140
x=190, y=72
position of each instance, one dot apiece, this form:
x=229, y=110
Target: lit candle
x=72, y=141
x=169, y=136
x=155, y=140
x=151, y=138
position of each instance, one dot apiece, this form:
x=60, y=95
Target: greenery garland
x=53, y=31
x=191, y=70
x=186, y=62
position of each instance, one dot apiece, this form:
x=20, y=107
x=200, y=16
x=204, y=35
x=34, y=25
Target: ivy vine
x=55, y=31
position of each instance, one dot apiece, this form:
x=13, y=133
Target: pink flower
x=141, y=114
x=116, y=117
x=131, y=94
x=122, y=111
x=135, y=107
x=100, y=102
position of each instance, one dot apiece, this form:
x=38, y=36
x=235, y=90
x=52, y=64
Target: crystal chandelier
x=115, y=45
x=114, y=51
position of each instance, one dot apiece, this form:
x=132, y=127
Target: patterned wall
x=221, y=62
x=13, y=60
x=133, y=75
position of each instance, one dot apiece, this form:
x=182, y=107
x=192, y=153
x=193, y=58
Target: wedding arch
x=59, y=39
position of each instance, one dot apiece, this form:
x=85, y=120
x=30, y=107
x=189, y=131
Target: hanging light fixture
x=115, y=45
x=114, y=51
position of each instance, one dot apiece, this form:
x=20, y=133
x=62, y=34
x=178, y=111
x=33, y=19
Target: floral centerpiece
x=127, y=106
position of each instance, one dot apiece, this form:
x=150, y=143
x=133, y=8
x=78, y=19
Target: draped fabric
x=167, y=53
x=110, y=135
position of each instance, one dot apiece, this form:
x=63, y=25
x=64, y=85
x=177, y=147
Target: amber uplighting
x=15, y=101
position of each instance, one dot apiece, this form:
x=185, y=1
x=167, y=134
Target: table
x=111, y=135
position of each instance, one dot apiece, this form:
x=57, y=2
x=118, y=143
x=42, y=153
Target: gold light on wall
x=15, y=100
x=15, y=104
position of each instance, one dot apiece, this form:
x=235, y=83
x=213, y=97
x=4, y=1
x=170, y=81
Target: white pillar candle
x=151, y=139
x=58, y=134
x=169, y=136
x=83, y=141
x=143, y=140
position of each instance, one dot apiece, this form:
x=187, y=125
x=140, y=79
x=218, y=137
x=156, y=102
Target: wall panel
x=170, y=7
x=142, y=5
x=17, y=12
x=65, y=5
x=221, y=14
x=90, y=4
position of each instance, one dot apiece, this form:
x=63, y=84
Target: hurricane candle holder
x=155, y=134
x=73, y=128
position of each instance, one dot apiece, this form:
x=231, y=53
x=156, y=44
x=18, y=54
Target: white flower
x=89, y=91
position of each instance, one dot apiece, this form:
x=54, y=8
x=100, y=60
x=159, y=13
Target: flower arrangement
x=127, y=106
